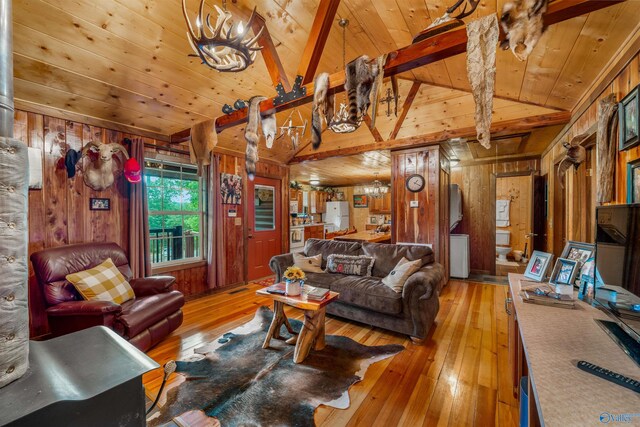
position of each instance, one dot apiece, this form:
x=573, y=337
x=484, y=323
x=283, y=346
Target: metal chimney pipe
x=6, y=69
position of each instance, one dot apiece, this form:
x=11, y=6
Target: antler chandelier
x=377, y=189
x=340, y=122
x=225, y=46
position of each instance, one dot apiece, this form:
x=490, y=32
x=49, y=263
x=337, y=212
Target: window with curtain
x=175, y=201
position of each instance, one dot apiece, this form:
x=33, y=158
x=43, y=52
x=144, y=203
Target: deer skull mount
x=222, y=47
x=576, y=154
x=99, y=172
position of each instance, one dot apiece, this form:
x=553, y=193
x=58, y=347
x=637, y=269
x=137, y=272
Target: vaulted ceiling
x=124, y=64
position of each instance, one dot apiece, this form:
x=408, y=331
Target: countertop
x=365, y=236
x=309, y=225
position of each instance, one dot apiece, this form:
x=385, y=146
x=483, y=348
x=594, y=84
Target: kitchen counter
x=315, y=224
x=366, y=236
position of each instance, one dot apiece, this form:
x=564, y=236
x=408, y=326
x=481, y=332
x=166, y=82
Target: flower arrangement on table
x=294, y=273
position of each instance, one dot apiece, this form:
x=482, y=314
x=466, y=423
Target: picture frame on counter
x=564, y=272
x=538, y=266
x=578, y=251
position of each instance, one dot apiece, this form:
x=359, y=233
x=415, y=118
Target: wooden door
x=540, y=204
x=264, y=230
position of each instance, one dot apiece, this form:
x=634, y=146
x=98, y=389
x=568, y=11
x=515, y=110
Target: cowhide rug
x=237, y=383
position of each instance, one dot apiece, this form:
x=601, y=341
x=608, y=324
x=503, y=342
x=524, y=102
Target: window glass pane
x=264, y=208
x=190, y=196
x=191, y=224
x=172, y=198
x=154, y=199
x=155, y=223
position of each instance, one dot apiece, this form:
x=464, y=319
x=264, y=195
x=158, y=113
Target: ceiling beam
x=418, y=54
x=269, y=54
x=374, y=131
x=405, y=109
x=514, y=126
x=317, y=39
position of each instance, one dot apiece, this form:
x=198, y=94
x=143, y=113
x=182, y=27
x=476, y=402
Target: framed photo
x=373, y=220
x=629, y=116
x=538, y=266
x=230, y=189
x=339, y=196
x=578, y=251
x=564, y=272
x=633, y=181
x=96, y=204
x=360, y=201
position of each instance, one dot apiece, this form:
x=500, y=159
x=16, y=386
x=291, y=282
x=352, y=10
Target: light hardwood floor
x=460, y=376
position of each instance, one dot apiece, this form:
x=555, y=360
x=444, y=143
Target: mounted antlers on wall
x=222, y=47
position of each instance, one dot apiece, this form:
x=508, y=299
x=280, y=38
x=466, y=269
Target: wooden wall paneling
x=55, y=183
x=76, y=188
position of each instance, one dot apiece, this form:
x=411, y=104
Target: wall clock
x=415, y=183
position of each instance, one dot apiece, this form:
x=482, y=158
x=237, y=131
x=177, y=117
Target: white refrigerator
x=337, y=213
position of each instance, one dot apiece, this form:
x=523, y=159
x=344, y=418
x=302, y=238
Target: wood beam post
x=374, y=131
x=317, y=39
x=270, y=55
x=513, y=126
x=405, y=109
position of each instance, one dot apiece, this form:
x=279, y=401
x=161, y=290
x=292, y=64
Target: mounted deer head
x=99, y=173
x=576, y=154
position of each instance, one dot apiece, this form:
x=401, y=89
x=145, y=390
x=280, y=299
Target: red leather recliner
x=144, y=321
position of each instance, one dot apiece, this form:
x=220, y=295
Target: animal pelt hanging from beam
x=576, y=154
x=359, y=78
x=252, y=136
x=482, y=35
x=522, y=23
x=378, y=86
x=203, y=140
x=322, y=108
x=606, y=147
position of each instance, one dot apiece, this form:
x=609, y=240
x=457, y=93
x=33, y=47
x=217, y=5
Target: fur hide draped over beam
x=359, y=78
x=322, y=107
x=482, y=42
x=576, y=154
x=522, y=23
x=252, y=133
x=203, y=140
x=606, y=147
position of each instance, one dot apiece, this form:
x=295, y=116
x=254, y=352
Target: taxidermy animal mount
x=225, y=48
x=252, y=136
x=99, y=173
x=448, y=22
x=576, y=154
x=522, y=23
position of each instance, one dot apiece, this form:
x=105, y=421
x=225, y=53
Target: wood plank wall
x=59, y=213
x=429, y=222
x=580, y=185
x=519, y=191
x=478, y=186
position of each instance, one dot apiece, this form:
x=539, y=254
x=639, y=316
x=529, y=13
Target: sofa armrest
x=420, y=297
x=84, y=308
x=152, y=285
x=280, y=263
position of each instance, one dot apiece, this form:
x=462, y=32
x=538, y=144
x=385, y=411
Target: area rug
x=265, y=282
x=235, y=382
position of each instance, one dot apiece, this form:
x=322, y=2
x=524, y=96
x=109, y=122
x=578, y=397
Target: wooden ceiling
x=345, y=171
x=123, y=64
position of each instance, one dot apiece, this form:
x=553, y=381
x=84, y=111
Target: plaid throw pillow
x=104, y=282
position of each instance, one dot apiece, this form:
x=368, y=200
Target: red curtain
x=139, y=258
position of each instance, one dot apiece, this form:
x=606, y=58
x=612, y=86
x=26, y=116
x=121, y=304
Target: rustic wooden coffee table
x=312, y=332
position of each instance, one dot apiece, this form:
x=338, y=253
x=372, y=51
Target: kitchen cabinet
x=296, y=196
x=314, y=232
x=318, y=201
x=381, y=205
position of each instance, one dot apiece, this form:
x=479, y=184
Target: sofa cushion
x=104, y=282
x=327, y=247
x=355, y=265
x=400, y=273
x=387, y=256
x=141, y=313
x=310, y=264
x=367, y=292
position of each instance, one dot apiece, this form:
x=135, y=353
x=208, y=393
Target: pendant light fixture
x=340, y=122
x=377, y=189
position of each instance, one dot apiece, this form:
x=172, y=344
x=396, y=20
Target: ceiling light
x=314, y=182
x=377, y=189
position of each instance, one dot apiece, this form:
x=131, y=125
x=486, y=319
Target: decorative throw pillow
x=400, y=273
x=104, y=282
x=309, y=264
x=354, y=265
